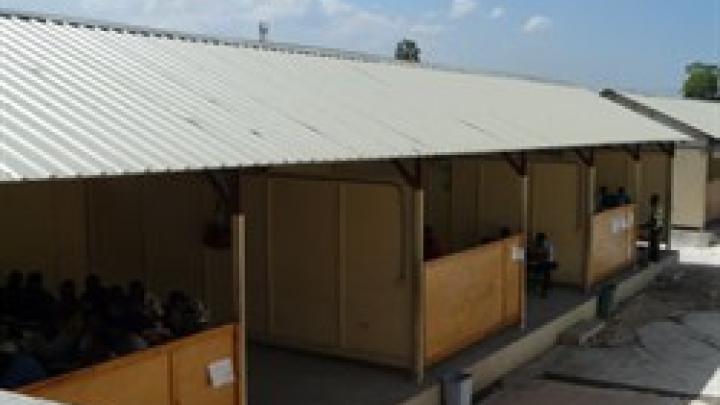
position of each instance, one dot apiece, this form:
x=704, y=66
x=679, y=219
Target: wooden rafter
x=518, y=161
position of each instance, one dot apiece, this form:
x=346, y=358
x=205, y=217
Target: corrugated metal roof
x=81, y=100
x=701, y=115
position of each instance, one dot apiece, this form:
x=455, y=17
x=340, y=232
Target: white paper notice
x=518, y=254
x=221, y=373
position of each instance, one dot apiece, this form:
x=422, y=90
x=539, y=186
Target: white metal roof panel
x=701, y=115
x=81, y=101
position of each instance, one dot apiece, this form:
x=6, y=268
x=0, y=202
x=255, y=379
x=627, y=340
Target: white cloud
x=497, y=12
x=336, y=7
x=462, y=8
x=537, y=23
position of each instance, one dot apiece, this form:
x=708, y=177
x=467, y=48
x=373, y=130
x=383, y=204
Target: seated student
x=184, y=316
x=12, y=295
x=605, y=200
x=622, y=197
x=38, y=304
x=541, y=261
x=18, y=369
x=95, y=296
x=69, y=303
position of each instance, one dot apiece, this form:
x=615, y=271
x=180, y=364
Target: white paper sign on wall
x=518, y=254
x=221, y=373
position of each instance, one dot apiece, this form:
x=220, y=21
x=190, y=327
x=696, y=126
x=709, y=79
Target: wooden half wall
x=613, y=247
x=471, y=295
x=329, y=265
x=173, y=374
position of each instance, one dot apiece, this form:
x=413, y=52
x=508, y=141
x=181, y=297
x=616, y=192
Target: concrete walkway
x=662, y=347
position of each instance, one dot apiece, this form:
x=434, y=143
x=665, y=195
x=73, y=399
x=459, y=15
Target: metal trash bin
x=606, y=301
x=458, y=390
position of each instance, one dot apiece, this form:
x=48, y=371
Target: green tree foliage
x=702, y=84
x=407, y=50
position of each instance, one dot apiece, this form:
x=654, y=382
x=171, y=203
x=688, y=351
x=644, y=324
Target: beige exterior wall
x=557, y=207
x=654, y=181
x=469, y=200
x=328, y=261
x=690, y=188
x=614, y=170
x=147, y=228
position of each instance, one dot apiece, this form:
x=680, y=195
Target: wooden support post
x=525, y=229
x=238, y=261
x=419, y=284
x=590, y=211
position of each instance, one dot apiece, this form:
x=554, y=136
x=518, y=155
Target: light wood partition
x=614, y=234
x=470, y=295
x=173, y=374
x=333, y=272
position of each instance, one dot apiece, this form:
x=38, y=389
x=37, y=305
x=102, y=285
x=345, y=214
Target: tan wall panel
x=146, y=228
x=43, y=229
x=689, y=188
x=463, y=299
x=714, y=166
x=613, y=171
x=613, y=247
x=303, y=240
x=173, y=225
x=438, y=198
x=713, y=200
x=116, y=237
x=556, y=210
x=654, y=175
x=499, y=198
x=253, y=199
x=377, y=280
x=464, y=202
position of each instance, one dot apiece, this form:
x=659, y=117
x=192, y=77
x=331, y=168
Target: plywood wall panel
x=377, y=280
x=555, y=209
x=253, y=200
x=303, y=241
x=463, y=299
x=689, y=188
x=499, y=198
x=464, y=202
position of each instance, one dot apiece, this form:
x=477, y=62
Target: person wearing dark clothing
x=18, y=370
x=95, y=295
x=655, y=226
x=541, y=262
x=13, y=295
x=39, y=304
x=69, y=303
x=622, y=197
x=605, y=200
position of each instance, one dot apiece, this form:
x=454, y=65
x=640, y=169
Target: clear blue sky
x=640, y=45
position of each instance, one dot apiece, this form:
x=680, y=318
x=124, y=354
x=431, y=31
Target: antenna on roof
x=264, y=28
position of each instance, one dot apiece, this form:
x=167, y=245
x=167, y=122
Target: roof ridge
x=283, y=47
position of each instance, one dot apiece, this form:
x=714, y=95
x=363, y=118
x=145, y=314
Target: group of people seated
x=42, y=335
x=606, y=200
